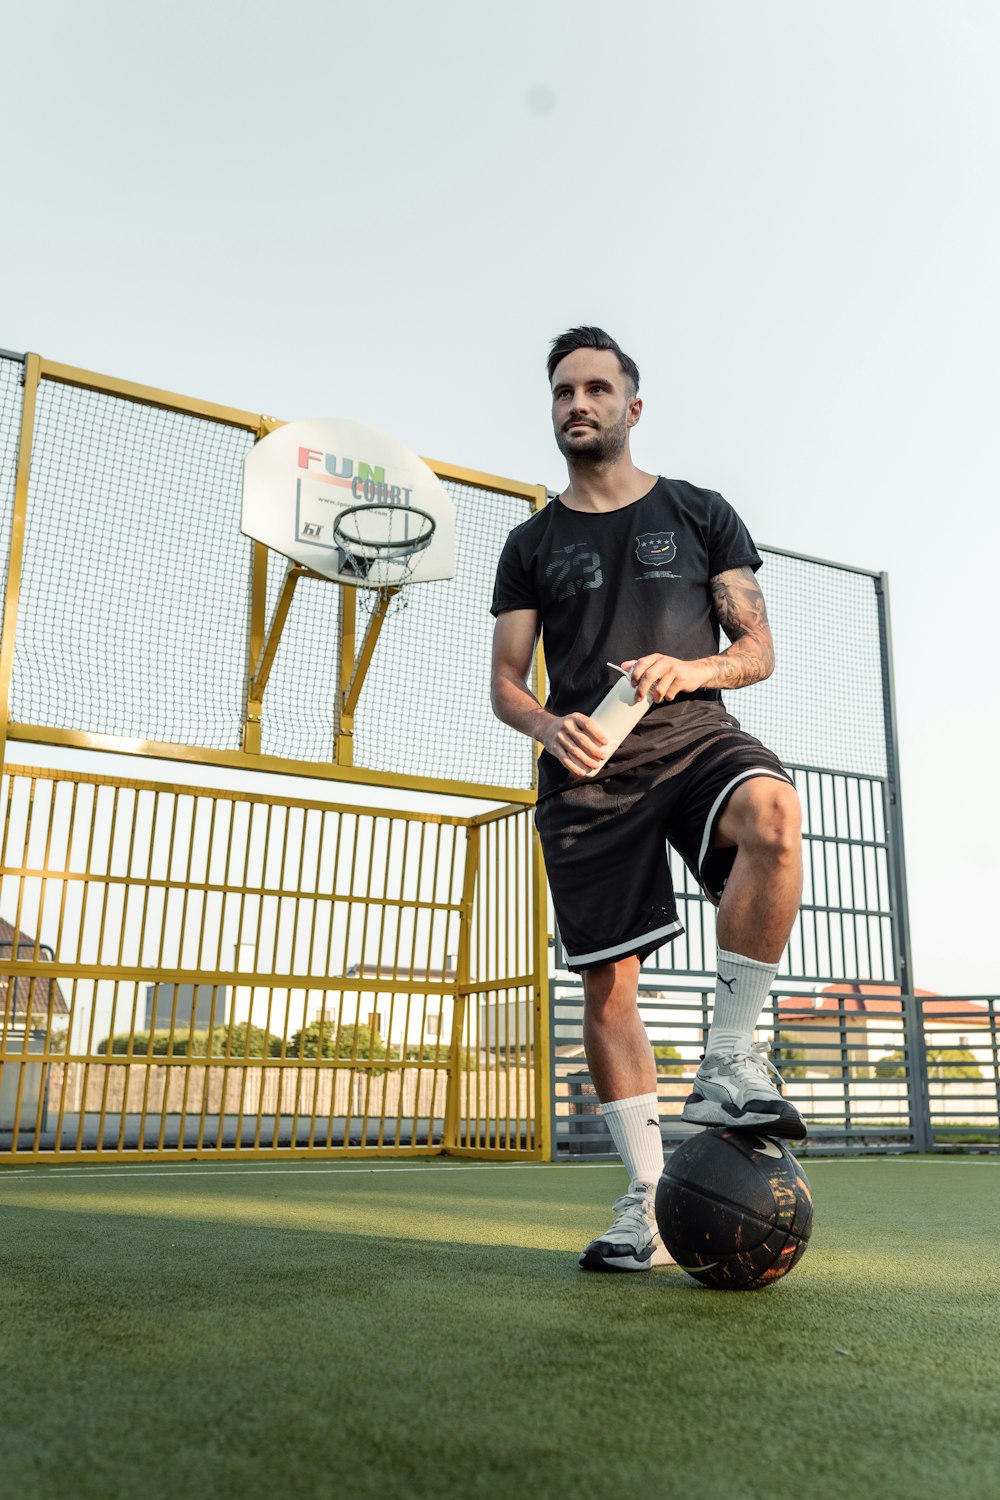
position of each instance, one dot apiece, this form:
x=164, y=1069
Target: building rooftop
x=29, y=994
x=881, y=1002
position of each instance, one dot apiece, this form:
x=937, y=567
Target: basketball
x=734, y=1209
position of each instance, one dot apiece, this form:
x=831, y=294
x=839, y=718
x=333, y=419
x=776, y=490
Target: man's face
x=593, y=406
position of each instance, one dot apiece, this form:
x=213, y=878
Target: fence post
x=913, y=1030
x=545, y=1138
x=15, y=557
x=463, y=970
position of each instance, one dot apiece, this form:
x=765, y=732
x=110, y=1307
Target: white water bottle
x=618, y=713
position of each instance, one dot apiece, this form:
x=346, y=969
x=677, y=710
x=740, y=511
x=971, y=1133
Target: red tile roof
x=29, y=993
x=882, y=1002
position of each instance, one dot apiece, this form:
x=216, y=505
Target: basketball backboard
x=350, y=503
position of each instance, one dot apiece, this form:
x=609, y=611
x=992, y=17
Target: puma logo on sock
x=727, y=982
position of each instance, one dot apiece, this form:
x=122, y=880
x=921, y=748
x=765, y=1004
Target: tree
x=184, y=1044
x=143, y=1044
x=789, y=1055
x=952, y=1062
x=942, y=1063
x=318, y=1039
x=244, y=1040
x=891, y=1065
x=323, y=1039
x=429, y=1052
x=668, y=1061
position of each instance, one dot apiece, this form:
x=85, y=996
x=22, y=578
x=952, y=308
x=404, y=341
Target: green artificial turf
x=334, y=1329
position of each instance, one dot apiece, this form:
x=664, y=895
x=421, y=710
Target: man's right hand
x=576, y=742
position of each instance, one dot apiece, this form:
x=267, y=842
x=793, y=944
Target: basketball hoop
x=379, y=544
x=350, y=504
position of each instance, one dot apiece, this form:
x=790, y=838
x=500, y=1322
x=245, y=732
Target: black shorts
x=604, y=843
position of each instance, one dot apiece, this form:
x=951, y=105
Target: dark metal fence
x=849, y=1063
x=869, y=1061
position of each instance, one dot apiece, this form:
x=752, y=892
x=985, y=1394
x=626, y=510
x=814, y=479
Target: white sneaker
x=633, y=1242
x=736, y=1090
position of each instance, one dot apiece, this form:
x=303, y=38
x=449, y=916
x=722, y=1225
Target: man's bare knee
x=776, y=828
x=611, y=988
x=764, y=818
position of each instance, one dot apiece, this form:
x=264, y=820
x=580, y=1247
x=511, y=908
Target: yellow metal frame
x=495, y=1107
x=263, y=642
x=495, y=1098
x=148, y=395
x=15, y=559
x=71, y=739
x=354, y=664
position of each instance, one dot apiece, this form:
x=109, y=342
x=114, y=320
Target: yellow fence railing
x=217, y=970
x=189, y=970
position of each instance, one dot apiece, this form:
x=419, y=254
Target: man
x=631, y=569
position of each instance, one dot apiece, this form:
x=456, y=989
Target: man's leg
x=762, y=820
x=619, y=1055
x=623, y=1070
x=758, y=907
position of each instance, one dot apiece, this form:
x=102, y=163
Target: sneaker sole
x=594, y=1259
x=787, y=1123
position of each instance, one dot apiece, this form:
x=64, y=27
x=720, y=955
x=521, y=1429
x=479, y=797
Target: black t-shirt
x=615, y=585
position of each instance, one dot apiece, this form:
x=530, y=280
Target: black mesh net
x=133, y=616
x=431, y=663
x=133, y=608
x=299, y=705
x=135, y=594
x=824, y=705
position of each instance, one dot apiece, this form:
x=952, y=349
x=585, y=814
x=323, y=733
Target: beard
x=602, y=445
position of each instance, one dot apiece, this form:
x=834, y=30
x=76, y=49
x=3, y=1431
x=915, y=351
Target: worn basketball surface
x=734, y=1209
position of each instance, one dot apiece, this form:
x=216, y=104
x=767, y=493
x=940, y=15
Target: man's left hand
x=663, y=677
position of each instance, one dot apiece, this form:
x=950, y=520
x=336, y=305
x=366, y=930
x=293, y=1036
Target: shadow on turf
x=211, y=1259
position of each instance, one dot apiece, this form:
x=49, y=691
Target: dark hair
x=591, y=338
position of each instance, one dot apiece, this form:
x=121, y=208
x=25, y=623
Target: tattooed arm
x=740, y=610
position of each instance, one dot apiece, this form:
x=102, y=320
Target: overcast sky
x=786, y=210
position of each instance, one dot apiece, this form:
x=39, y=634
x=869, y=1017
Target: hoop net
x=379, y=544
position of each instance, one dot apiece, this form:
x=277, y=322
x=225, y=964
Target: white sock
x=742, y=986
x=635, y=1129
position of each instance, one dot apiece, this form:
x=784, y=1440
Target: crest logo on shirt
x=655, y=547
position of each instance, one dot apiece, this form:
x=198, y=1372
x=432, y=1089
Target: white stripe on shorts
x=720, y=799
x=630, y=946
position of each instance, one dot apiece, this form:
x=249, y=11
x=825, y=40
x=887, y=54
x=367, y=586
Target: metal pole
x=15, y=558
x=463, y=970
x=545, y=1125
x=913, y=1031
